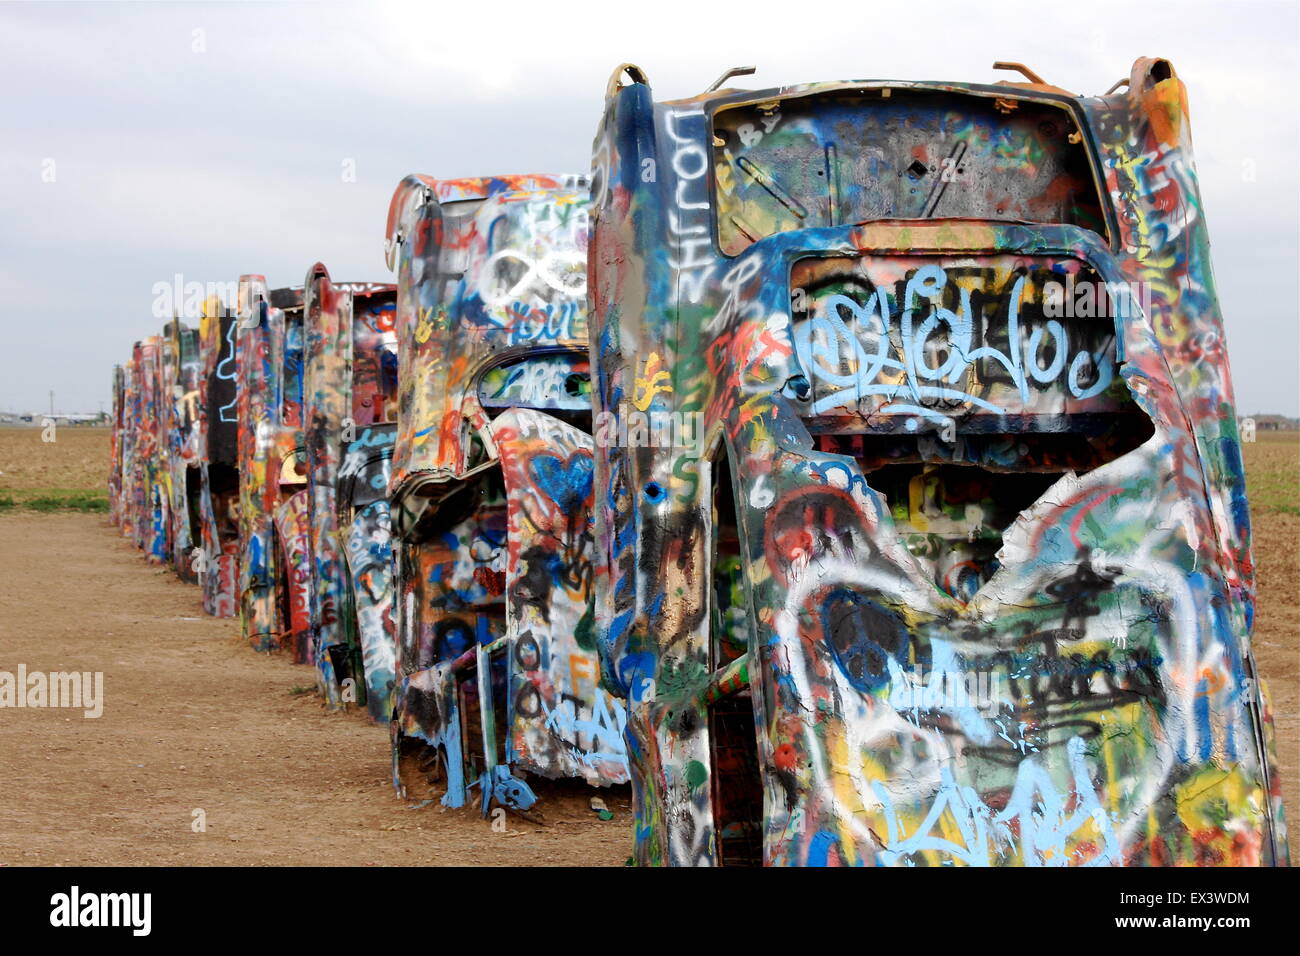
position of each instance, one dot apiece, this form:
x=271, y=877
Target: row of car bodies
x=227, y=466
x=851, y=467
x=316, y=382
x=156, y=484
x=291, y=451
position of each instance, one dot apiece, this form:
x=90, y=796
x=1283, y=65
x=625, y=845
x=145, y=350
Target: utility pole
x=51, y=403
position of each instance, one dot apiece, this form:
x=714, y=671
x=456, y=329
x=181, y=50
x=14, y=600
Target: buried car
x=217, y=560
x=349, y=397
x=290, y=513
x=153, y=487
x=180, y=413
x=266, y=606
x=492, y=494
x=944, y=555
x=117, y=448
x=147, y=462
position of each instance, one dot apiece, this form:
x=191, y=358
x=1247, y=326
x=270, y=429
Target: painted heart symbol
x=566, y=482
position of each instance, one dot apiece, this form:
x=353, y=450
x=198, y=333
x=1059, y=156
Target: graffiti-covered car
x=291, y=514
x=364, y=521
x=179, y=426
x=217, y=561
x=927, y=538
x=144, y=483
x=117, y=447
x=349, y=394
x=491, y=493
x=155, y=489
x=264, y=604
x=317, y=376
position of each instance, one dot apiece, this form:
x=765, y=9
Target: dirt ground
x=1273, y=484
x=195, y=720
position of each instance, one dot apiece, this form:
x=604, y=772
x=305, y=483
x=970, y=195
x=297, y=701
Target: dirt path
x=194, y=719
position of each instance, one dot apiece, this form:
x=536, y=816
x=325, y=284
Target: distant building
x=1272, y=423
x=59, y=418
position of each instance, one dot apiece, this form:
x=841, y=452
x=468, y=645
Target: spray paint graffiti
x=214, y=472
x=173, y=489
x=366, y=524
x=154, y=447
x=259, y=341
x=492, y=493
x=292, y=524
x=349, y=383
x=180, y=390
x=955, y=568
x=917, y=463
x=140, y=487
x=291, y=518
x=218, y=564
x=116, y=450
x=564, y=724
x=363, y=491
x=327, y=358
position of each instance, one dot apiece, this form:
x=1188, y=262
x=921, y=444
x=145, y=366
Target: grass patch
x=82, y=501
x=1273, y=473
x=48, y=499
x=300, y=690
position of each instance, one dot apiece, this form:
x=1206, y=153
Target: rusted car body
x=491, y=493
x=317, y=372
x=361, y=494
x=941, y=563
x=212, y=471
x=349, y=390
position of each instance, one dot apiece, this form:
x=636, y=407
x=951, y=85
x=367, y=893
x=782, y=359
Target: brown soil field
x=196, y=720
x=76, y=460
x=73, y=465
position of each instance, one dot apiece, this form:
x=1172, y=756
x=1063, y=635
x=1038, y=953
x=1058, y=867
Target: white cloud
x=225, y=161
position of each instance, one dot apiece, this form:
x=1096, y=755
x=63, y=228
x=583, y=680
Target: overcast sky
x=209, y=139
